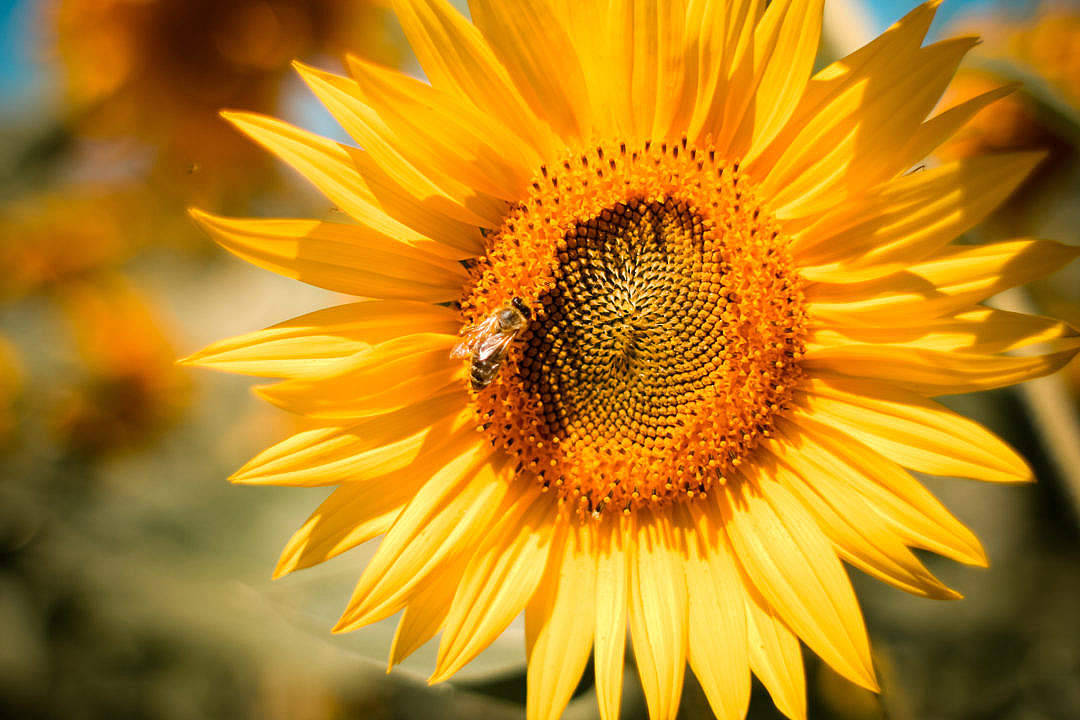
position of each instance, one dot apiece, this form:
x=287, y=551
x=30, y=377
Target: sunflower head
x=652, y=318
x=667, y=327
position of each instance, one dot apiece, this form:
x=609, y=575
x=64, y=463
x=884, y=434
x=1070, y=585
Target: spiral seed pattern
x=668, y=322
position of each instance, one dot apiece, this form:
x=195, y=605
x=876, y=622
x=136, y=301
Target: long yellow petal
x=432, y=203
x=915, y=432
x=936, y=372
x=785, y=45
x=437, y=130
x=585, y=23
x=499, y=579
x=427, y=609
x=673, y=77
x=717, y=642
x=329, y=166
x=884, y=56
x=775, y=657
x=378, y=445
x=794, y=567
x=947, y=283
x=443, y=519
x=706, y=70
x=307, y=346
x=456, y=58
x=366, y=506
x=658, y=612
x=559, y=624
x=981, y=330
x=861, y=536
x=907, y=219
x=392, y=375
x=352, y=259
x=913, y=512
x=352, y=515
x=807, y=179
x=537, y=52
x=612, y=582
x=932, y=133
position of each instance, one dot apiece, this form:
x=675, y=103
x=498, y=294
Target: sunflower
x=703, y=307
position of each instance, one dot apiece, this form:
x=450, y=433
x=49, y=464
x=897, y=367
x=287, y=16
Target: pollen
x=667, y=324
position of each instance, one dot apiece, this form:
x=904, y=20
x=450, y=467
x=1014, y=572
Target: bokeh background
x=134, y=580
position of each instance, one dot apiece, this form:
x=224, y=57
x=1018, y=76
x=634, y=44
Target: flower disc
x=667, y=324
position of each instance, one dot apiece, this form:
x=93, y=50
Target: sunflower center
x=666, y=322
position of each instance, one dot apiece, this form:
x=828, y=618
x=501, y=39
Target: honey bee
x=487, y=342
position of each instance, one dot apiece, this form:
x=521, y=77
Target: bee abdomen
x=482, y=373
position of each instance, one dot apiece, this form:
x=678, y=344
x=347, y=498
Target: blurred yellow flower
x=1048, y=47
x=159, y=70
x=11, y=381
x=653, y=318
x=56, y=237
x=131, y=388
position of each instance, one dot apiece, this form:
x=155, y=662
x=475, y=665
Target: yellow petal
x=352, y=259
x=427, y=609
x=807, y=179
x=724, y=33
x=935, y=372
x=706, y=69
x=536, y=50
x=632, y=41
x=794, y=567
x=717, y=642
x=390, y=376
x=785, y=45
x=981, y=330
x=775, y=657
x=559, y=623
x=333, y=455
x=499, y=578
x=896, y=48
x=437, y=130
x=907, y=219
x=456, y=59
x=944, y=125
x=658, y=612
x=861, y=536
x=915, y=432
x=443, y=519
x=352, y=515
x=365, y=507
x=947, y=283
x=672, y=75
x=330, y=168
x=611, y=612
x=433, y=208
x=900, y=499
x=585, y=23
x=308, y=345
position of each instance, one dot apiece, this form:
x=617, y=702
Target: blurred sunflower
x=1047, y=47
x=49, y=239
x=704, y=311
x=158, y=70
x=130, y=390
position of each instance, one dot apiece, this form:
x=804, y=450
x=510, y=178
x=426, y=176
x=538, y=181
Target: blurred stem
x=1050, y=406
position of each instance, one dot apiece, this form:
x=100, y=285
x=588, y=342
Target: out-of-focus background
x=134, y=580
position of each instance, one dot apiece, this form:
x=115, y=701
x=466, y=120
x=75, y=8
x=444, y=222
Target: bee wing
x=493, y=346
x=474, y=335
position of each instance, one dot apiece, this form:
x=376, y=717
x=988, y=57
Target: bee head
x=521, y=307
